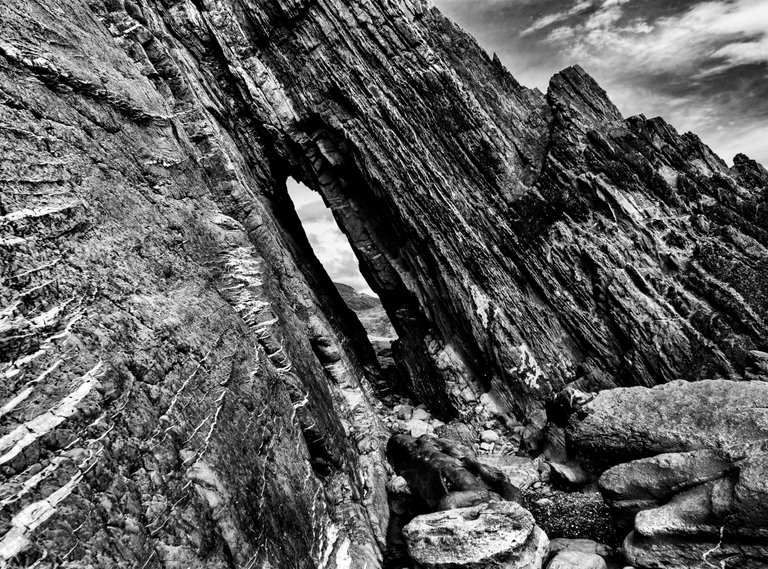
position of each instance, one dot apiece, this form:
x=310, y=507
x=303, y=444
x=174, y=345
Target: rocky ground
x=670, y=477
x=683, y=487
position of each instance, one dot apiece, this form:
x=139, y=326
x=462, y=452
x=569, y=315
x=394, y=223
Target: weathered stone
x=444, y=474
x=421, y=415
x=521, y=472
x=648, y=482
x=625, y=424
x=577, y=560
x=499, y=535
x=489, y=436
x=405, y=412
x=569, y=475
x=683, y=505
x=417, y=427
x=398, y=485
x=660, y=552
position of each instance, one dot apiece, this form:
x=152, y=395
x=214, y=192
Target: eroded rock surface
x=446, y=475
x=497, y=535
x=625, y=424
x=702, y=500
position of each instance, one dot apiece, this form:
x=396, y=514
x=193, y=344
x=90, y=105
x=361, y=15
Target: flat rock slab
x=499, y=535
x=679, y=553
x=626, y=424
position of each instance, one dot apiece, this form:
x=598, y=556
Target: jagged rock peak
x=573, y=89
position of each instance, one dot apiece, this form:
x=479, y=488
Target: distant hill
x=369, y=310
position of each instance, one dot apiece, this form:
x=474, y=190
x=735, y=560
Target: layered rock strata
x=183, y=384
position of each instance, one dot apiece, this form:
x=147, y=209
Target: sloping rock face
x=183, y=385
x=693, y=489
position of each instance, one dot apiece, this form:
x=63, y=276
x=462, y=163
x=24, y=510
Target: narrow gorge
x=580, y=302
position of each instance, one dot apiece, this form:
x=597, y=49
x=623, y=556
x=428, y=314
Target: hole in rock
x=333, y=250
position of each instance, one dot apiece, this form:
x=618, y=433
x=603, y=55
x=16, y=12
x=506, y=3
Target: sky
x=703, y=66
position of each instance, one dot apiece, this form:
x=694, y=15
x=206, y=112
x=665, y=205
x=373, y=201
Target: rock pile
x=688, y=470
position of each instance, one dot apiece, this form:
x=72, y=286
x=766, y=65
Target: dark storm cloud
x=701, y=65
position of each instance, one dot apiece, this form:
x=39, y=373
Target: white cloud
x=709, y=37
x=741, y=53
x=556, y=17
x=330, y=245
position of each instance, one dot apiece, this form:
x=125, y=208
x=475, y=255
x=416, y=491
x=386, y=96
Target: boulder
x=521, y=472
x=489, y=436
x=417, y=427
x=421, y=414
x=723, y=517
x=625, y=424
x=498, y=535
x=577, y=560
x=444, y=474
x=649, y=482
x=404, y=412
x=677, y=553
x=569, y=475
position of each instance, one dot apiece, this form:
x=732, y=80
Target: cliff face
x=184, y=386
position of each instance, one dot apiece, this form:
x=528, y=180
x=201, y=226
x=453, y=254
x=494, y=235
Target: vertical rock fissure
x=425, y=365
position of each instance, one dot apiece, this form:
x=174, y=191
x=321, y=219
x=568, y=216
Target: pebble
x=417, y=427
x=398, y=485
x=487, y=447
x=489, y=436
x=405, y=412
x=421, y=415
x=571, y=474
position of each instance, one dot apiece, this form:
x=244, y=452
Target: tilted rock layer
x=183, y=386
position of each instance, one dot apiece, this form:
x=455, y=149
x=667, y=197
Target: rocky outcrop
x=699, y=503
x=183, y=385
